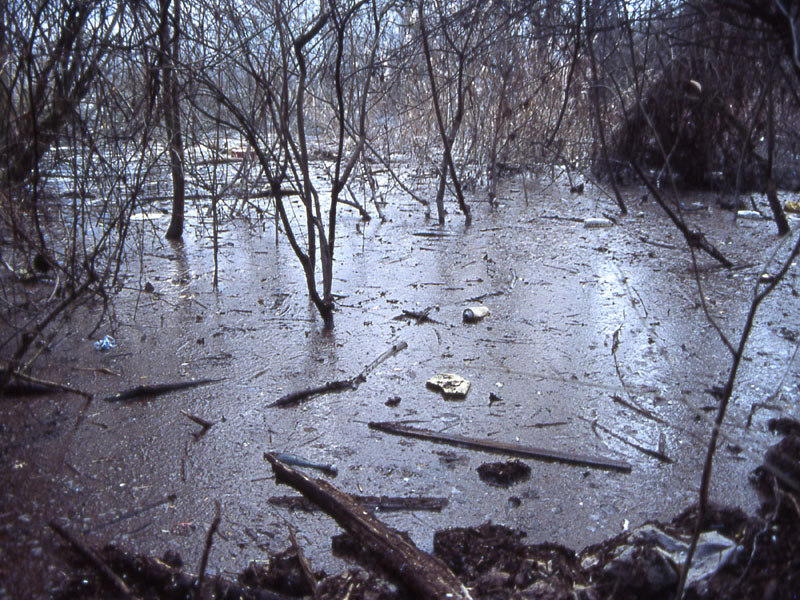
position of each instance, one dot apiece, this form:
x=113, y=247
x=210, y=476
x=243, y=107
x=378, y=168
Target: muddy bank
x=738, y=556
x=136, y=475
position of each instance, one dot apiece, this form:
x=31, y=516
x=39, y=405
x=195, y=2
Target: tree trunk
x=172, y=121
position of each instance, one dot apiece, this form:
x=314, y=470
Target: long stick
x=426, y=577
x=502, y=448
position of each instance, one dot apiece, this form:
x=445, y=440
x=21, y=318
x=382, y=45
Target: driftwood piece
x=425, y=576
x=373, y=503
x=94, y=560
x=501, y=447
x=146, y=392
x=340, y=385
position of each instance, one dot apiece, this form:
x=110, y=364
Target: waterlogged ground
x=579, y=317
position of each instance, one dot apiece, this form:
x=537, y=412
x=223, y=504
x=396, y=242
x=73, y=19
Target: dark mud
x=559, y=295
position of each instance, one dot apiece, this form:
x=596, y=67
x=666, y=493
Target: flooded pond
x=584, y=324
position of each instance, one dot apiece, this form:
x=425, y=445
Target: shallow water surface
x=583, y=323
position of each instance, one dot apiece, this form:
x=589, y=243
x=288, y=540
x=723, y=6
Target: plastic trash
x=106, y=343
x=713, y=552
x=475, y=313
x=597, y=222
x=750, y=215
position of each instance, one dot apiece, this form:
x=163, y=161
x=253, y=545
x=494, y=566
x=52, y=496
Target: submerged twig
x=143, y=392
x=654, y=453
x=339, y=385
x=207, y=550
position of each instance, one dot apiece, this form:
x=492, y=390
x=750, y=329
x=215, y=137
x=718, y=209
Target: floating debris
x=450, y=385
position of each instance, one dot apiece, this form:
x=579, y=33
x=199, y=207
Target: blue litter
x=106, y=343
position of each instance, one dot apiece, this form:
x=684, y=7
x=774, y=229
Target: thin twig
x=207, y=550
x=94, y=559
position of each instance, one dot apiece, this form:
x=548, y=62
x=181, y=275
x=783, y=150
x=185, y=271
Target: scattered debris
x=474, y=314
x=792, y=206
x=297, y=461
x=340, y=385
x=450, y=385
x=500, y=447
x=147, y=392
x=373, y=503
x=504, y=474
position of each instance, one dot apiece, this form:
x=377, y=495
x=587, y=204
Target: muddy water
x=559, y=294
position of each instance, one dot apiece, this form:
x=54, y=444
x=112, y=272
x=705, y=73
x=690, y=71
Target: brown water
x=559, y=291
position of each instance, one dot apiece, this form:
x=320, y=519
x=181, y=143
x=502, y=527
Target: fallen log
x=423, y=575
x=340, y=385
x=373, y=503
x=501, y=447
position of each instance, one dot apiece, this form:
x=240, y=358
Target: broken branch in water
x=94, y=560
x=340, y=385
x=144, y=392
x=373, y=503
x=425, y=576
x=502, y=448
